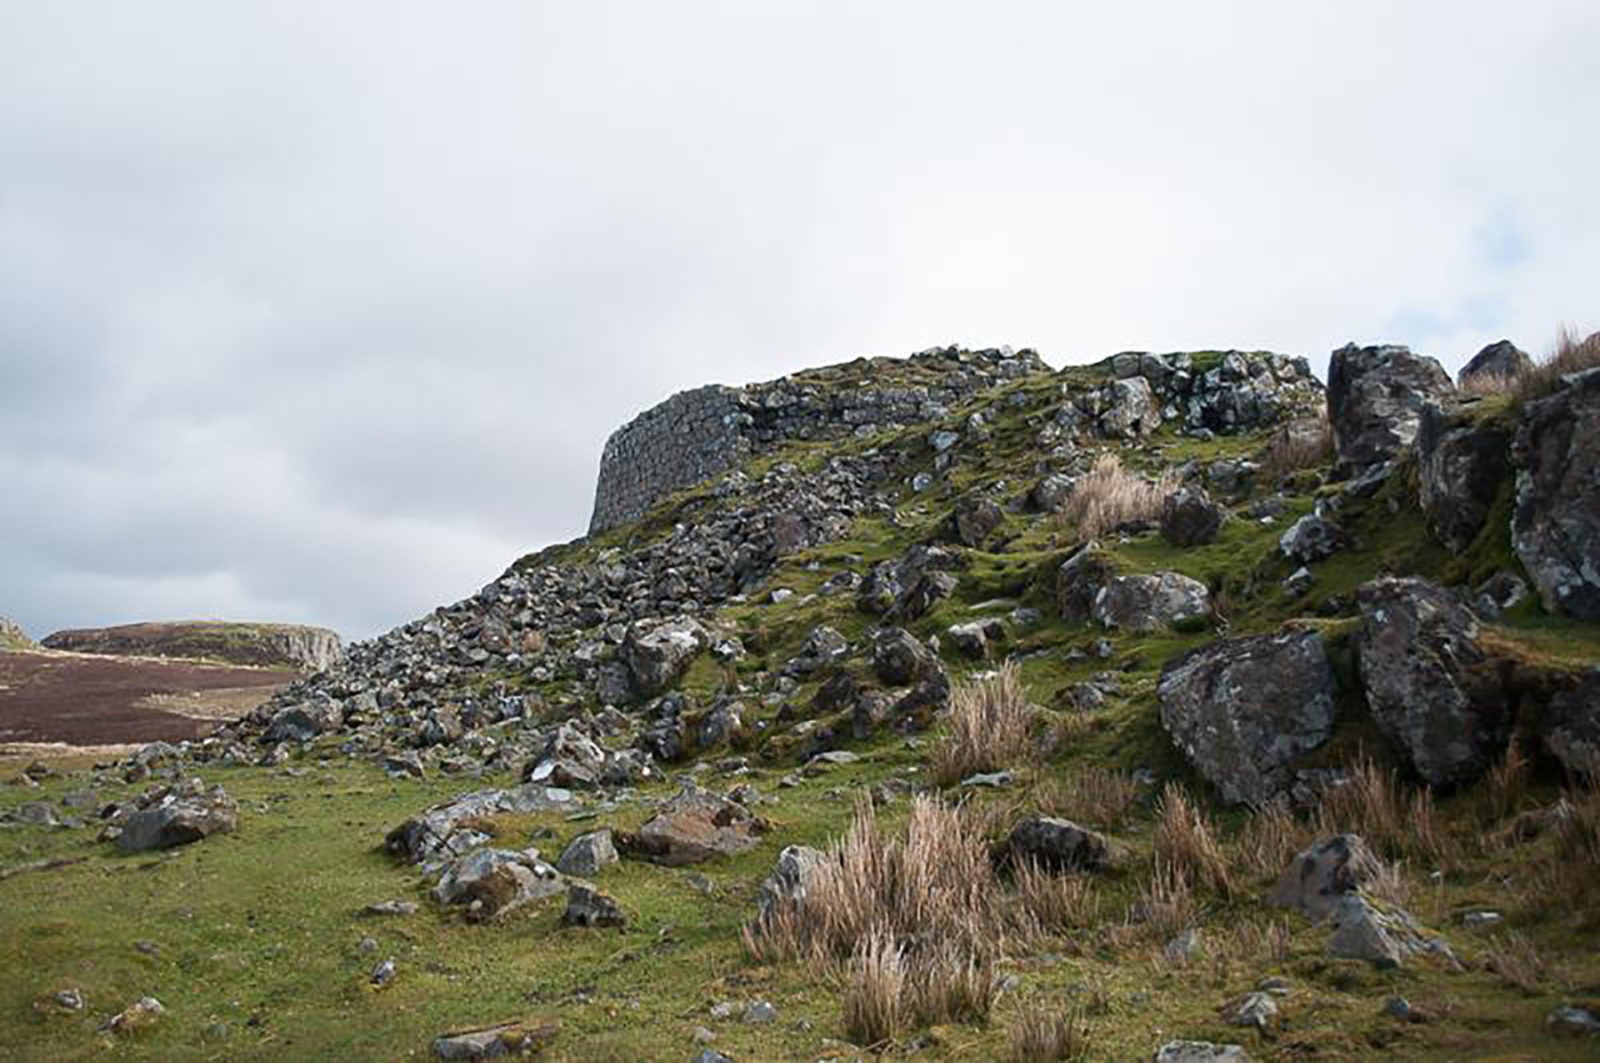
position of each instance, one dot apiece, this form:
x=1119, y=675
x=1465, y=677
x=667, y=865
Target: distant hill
x=310, y=649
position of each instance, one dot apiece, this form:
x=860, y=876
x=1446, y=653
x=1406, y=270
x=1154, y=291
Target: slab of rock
x=1420, y=666
x=1502, y=359
x=1190, y=518
x=510, y=1039
x=587, y=906
x=445, y=831
x=1200, y=1052
x=1060, y=845
x=1244, y=709
x=1314, y=537
x=1152, y=602
x=1462, y=462
x=658, y=652
x=1375, y=400
x=492, y=882
x=1322, y=875
x=586, y=854
x=899, y=658
x=692, y=827
x=796, y=868
x=1555, y=527
x=178, y=816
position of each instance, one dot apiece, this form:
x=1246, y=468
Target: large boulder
x=1060, y=845
x=1322, y=875
x=899, y=658
x=657, y=653
x=1556, y=525
x=1079, y=582
x=1501, y=360
x=1152, y=602
x=1243, y=709
x=1421, y=667
x=694, y=826
x=1461, y=463
x=1375, y=400
x=1190, y=518
x=491, y=882
x=178, y=816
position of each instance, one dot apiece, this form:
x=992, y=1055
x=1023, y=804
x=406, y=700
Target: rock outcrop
x=1244, y=709
x=309, y=649
x=1556, y=525
x=1375, y=400
x=1153, y=602
x=1501, y=359
x=1420, y=665
x=1462, y=462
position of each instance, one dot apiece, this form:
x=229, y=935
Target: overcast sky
x=322, y=312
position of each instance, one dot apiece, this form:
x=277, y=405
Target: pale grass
x=1270, y=839
x=1038, y=1033
x=989, y=729
x=1299, y=446
x=1166, y=906
x=1054, y=903
x=1516, y=960
x=1187, y=845
x=1091, y=794
x=1109, y=496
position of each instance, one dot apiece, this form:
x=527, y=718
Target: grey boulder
x=179, y=816
x=1153, y=602
x=1555, y=526
x=1375, y=400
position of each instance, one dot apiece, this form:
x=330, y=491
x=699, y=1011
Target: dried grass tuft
x=1040, y=1034
x=990, y=728
x=1109, y=496
x=1092, y=795
x=1515, y=959
x=1186, y=844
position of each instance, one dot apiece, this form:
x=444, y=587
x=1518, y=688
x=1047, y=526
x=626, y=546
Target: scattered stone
x=1256, y=1010
x=68, y=999
x=974, y=637
x=759, y=1013
x=135, y=1016
x=899, y=658
x=1475, y=920
x=1243, y=709
x=492, y=882
x=176, y=816
x=1573, y=1022
x=796, y=868
x=1398, y=1008
x=1079, y=581
x=973, y=520
x=1146, y=603
x=1322, y=875
x=693, y=826
x=391, y=908
x=510, y=1039
x=1060, y=845
x=403, y=765
x=992, y=780
x=447, y=830
x=1314, y=537
x=1200, y=1052
x=383, y=974
x=590, y=907
x=586, y=854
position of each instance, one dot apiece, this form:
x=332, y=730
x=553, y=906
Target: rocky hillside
x=1170, y=707
x=309, y=649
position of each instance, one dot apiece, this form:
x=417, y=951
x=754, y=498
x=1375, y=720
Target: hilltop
x=260, y=645
x=950, y=705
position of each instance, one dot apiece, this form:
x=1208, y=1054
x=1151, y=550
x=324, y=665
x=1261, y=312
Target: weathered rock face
x=1461, y=464
x=699, y=433
x=1321, y=876
x=1060, y=845
x=310, y=649
x=1190, y=518
x=1556, y=525
x=692, y=827
x=657, y=653
x=797, y=867
x=1419, y=662
x=1375, y=400
x=178, y=816
x=1152, y=602
x=1079, y=582
x=1243, y=709
x=1499, y=359
x=1572, y=730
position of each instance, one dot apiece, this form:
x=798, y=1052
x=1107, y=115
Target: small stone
x=391, y=908
x=1473, y=920
x=383, y=974
x=723, y=1010
x=1398, y=1008
x=68, y=999
x=590, y=907
x=760, y=1012
x=994, y=780
x=1573, y=1022
x=367, y=946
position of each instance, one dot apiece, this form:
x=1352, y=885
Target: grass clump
x=1306, y=444
x=1091, y=794
x=1037, y=1033
x=1186, y=845
x=1109, y=496
x=991, y=727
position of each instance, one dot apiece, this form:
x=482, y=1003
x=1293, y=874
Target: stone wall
x=697, y=434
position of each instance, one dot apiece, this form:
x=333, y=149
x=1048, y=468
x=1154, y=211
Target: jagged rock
x=627, y=767
x=657, y=653
x=1461, y=463
x=445, y=831
x=1079, y=581
x=178, y=816
x=495, y=881
x=1572, y=731
x=1051, y=492
x=1200, y=1052
x=1190, y=518
x=1152, y=602
x=1569, y=1021
x=1501, y=359
x=1419, y=659
x=1314, y=537
x=692, y=827
x=510, y=1039
x=1323, y=874
x=1060, y=845
x=1383, y=936
x=1243, y=709
x=570, y=759
x=590, y=907
x=899, y=658
x=974, y=637
x=973, y=520
x=823, y=647
x=1375, y=400
x=1129, y=408
x=1555, y=527
x=796, y=868
x=586, y=854
x=303, y=722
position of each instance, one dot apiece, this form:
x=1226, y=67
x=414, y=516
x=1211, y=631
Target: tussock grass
x=1270, y=838
x=1091, y=794
x=1109, y=496
x=1516, y=960
x=1395, y=823
x=917, y=921
x=1037, y=1033
x=1569, y=355
x=1299, y=445
x=1503, y=790
x=1186, y=845
x=1167, y=905
x=990, y=728
x=1053, y=902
